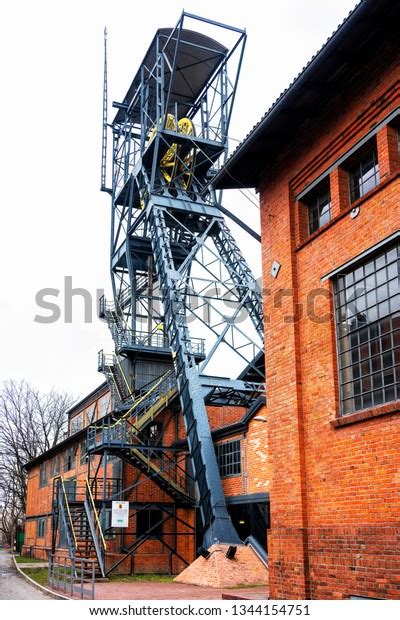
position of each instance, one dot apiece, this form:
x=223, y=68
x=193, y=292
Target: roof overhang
x=370, y=24
x=198, y=57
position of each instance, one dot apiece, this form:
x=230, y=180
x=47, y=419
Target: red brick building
x=325, y=160
x=240, y=439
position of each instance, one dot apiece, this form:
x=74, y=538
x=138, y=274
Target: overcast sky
x=54, y=220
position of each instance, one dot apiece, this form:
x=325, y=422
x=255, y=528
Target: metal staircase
x=119, y=387
x=125, y=438
x=78, y=515
x=170, y=246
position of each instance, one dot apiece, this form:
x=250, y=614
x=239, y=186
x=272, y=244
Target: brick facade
x=325, y=161
x=335, y=506
x=153, y=556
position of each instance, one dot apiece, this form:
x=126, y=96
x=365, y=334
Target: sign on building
x=119, y=514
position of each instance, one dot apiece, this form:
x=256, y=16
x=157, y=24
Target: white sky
x=54, y=221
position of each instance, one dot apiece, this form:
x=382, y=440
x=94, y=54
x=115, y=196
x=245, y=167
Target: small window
x=104, y=406
x=363, y=174
x=148, y=519
x=43, y=475
x=56, y=465
x=105, y=518
x=69, y=459
x=367, y=305
x=83, y=451
x=318, y=203
x=90, y=414
x=70, y=489
x=153, y=433
x=229, y=458
x=41, y=527
x=76, y=424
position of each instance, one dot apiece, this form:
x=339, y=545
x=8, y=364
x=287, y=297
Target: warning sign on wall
x=120, y=514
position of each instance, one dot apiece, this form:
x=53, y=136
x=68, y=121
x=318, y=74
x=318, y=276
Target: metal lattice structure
x=184, y=295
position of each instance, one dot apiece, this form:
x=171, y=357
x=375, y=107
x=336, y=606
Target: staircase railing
x=95, y=528
x=140, y=412
x=61, y=499
x=160, y=464
x=124, y=336
x=156, y=462
x=126, y=434
x=116, y=378
x=258, y=549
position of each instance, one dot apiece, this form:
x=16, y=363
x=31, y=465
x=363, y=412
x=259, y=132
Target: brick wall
x=152, y=556
x=258, y=470
x=334, y=489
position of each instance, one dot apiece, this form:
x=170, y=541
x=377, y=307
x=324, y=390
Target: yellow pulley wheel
x=185, y=168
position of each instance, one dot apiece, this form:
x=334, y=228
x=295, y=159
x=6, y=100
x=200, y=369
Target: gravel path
x=12, y=586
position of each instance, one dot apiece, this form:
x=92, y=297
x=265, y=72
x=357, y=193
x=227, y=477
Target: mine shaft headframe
x=175, y=116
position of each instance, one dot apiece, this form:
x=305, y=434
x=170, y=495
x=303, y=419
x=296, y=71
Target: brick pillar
x=340, y=197
x=302, y=228
x=388, y=151
x=287, y=538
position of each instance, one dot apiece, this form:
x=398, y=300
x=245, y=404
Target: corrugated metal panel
x=147, y=372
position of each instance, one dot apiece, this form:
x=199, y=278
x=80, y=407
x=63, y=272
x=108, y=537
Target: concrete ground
x=143, y=590
x=12, y=586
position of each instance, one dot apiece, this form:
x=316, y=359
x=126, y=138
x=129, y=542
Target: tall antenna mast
x=103, y=186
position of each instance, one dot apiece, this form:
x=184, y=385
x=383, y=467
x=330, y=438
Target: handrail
x=137, y=402
x=260, y=552
x=123, y=374
x=68, y=510
x=95, y=513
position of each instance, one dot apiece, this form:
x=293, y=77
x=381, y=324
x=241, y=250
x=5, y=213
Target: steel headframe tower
x=177, y=272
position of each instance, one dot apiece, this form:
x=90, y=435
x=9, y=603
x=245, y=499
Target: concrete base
x=246, y=569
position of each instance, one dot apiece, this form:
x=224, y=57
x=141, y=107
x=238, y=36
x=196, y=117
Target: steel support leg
x=216, y=519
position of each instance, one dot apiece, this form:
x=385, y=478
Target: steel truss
x=181, y=285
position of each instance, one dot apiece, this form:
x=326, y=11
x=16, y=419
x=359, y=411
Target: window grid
x=76, y=424
x=69, y=459
x=367, y=303
x=43, y=475
x=364, y=176
x=229, y=458
x=56, y=465
x=106, y=519
x=41, y=527
x=319, y=211
x=83, y=452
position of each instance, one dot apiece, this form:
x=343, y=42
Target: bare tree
x=30, y=423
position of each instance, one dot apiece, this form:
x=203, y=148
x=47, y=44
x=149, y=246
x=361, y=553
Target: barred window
x=104, y=406
x=76, y=424
x=90, y=414
x=56, y=465
x=364, y=175
x=83, y=451
x=106, y=518
x=41, y=527
x=69, y=458
x=229, y=458
x=43, y=475
x=318, y=202
x=367, y=305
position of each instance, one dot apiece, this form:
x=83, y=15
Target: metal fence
x=72, y=575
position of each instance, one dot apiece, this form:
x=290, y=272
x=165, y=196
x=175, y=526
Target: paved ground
x=12, y=586
x=169, y=591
